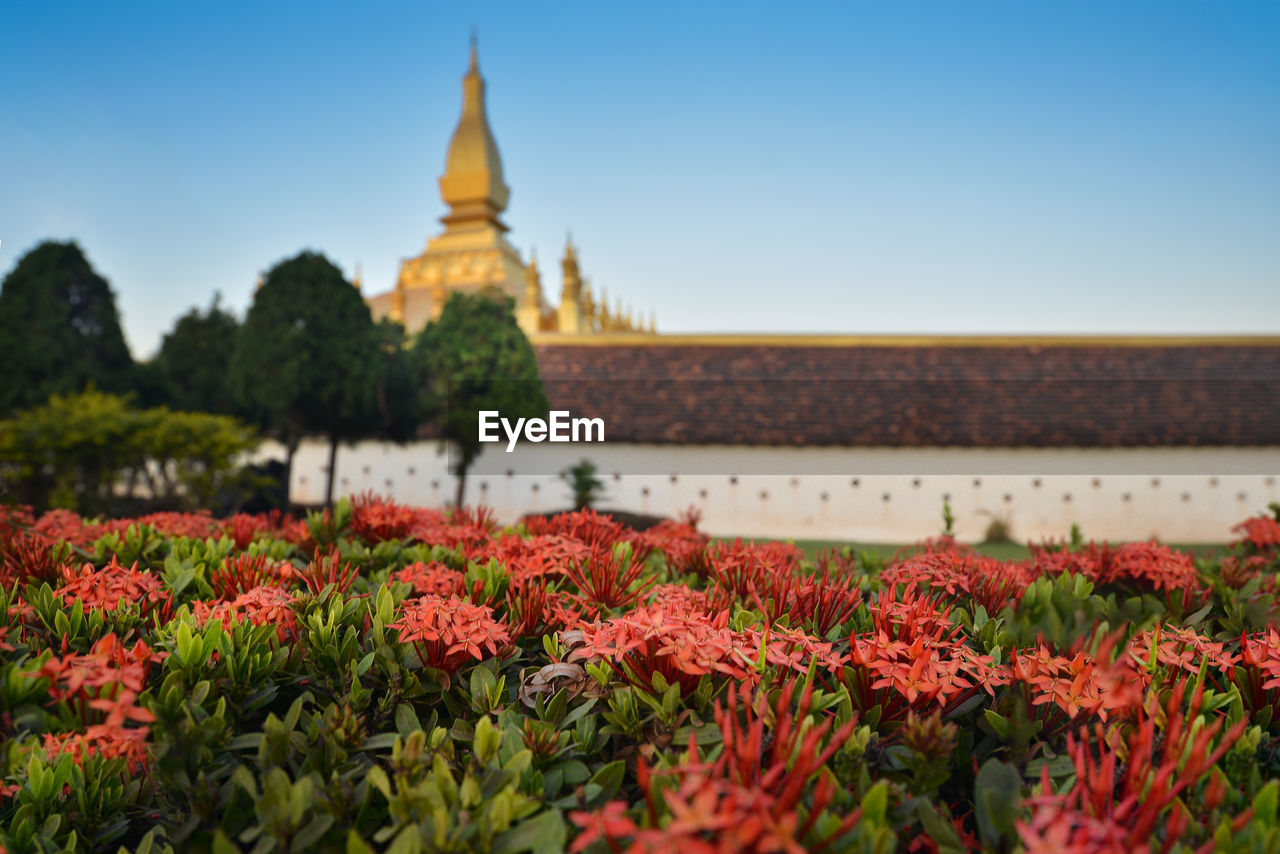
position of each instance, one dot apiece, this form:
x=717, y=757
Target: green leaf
x=997, y=790
x=248, y=741
x=311, y=833
x=940, y=830
x=544, y=832
x=406, y=719
x=223, y=845
x=381, y=741
x=609, y=779
x=875, y=804
x=356, y=845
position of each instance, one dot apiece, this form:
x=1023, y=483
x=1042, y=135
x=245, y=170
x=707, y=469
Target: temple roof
x=979, y=392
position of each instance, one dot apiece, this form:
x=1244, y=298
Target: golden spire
x=533, y=280
x=588, y=306
x=653, y=322
x=356, y=280
x=261, y=279
x=572, y=278
x=472, y=183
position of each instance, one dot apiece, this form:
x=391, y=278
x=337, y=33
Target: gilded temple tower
x=473, y=252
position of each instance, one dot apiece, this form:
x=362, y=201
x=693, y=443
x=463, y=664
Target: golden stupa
x=473, y=253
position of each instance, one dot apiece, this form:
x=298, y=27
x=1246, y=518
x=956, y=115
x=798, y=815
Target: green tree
x=475, y=357
x=399, y=380
x=59, y=329
x=306, y=360
x=193, y=359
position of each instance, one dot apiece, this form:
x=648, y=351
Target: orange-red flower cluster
x=1147, y=566
x=324, y=570
x=1120, y=796
x=243, y=572
x=101, y=688
x=245, y=528
x=900, y=676
x=1261, y=532
x=262, y=606
x=434, y=577
x=1182, y=649
x=446, y=632
x=991, y=583
x=1076, y=685
x=684, y=646
x=750, y=799
x=106, y=588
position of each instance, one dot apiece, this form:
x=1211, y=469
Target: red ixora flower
x=446, y=632
x=323, y=571
x=99, y=740
x=1183, y=649
x=1261, y=532
x=609, y=579
x=1148, y=566
x=106, y=588
x=586, y=526
x=1120, y=796
x=101, y=688
x=1061, y=688
x=376, y=519
x=29, y=557
x=751, y=799
x=529, y=557
x=989, y=582
x=434, y=577
x=241, y=573
x=262, y=606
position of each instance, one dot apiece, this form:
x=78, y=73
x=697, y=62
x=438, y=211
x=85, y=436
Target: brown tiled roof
x=1111, y=393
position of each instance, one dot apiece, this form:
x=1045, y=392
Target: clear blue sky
x=897, y=166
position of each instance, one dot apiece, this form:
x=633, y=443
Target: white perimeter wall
x=888, y=495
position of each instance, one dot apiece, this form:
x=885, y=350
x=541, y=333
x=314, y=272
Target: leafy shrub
x=381, y=677
x=79, y=451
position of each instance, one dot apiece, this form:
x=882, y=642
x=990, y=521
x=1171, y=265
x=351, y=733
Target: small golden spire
x=653, y=322
x=472, y=184
x=533, y=279
x=261, y=280
x=588, y=305
x=572, y=276
x=357, y=281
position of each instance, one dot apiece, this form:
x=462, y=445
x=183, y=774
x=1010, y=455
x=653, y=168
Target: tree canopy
x=307, y=358
x=59, y=329
x=193, y=360
x=475, y=357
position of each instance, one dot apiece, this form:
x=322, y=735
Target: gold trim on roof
x=733, y=339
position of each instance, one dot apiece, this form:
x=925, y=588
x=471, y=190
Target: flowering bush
x=387, y=677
